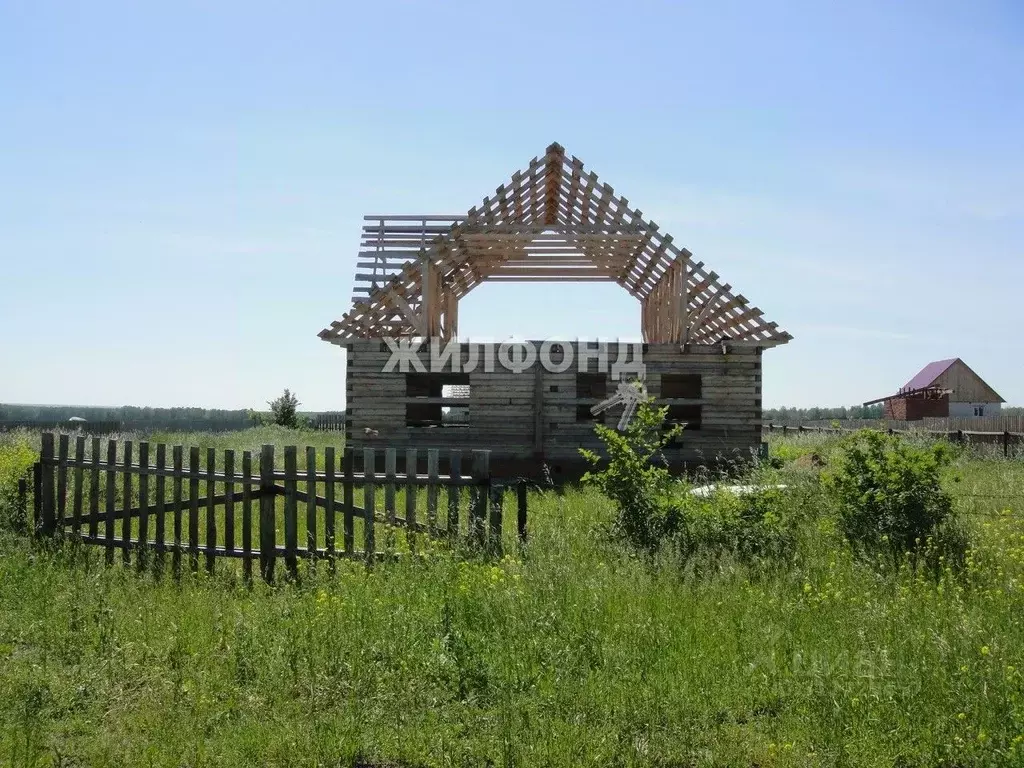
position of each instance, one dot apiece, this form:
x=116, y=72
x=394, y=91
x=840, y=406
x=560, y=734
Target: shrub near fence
x=104, y=497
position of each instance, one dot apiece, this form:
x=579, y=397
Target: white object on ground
x=705, y=491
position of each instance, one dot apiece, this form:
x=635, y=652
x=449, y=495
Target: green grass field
x=572, y=652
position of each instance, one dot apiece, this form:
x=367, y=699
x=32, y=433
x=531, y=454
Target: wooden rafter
x=556, y=221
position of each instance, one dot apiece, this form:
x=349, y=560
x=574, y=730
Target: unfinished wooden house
x=552, y=221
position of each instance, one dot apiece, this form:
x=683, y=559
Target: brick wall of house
x=917, y=408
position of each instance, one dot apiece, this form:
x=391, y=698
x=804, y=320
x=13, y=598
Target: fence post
x=37, y=499
x=268, y=522
x=960, y=437
x=1006, y=443
x=47, y=459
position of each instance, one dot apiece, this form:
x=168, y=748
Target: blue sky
x=182, y=183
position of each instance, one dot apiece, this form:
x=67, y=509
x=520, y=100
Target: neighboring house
x=944, y=388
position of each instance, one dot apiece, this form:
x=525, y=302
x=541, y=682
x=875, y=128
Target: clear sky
x=182, y=183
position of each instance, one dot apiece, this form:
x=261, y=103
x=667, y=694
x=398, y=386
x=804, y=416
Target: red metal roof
x=927, y=375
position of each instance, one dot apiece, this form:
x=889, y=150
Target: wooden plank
x=330, y=513
x=229, y=504
x=268, y=522
x=433, y=461
x=160, y=516
x=410, y=497
x=369, y=534
x=177, y=481
x=111, y=501
x=455, y=472
x=247, y=516
x=210, y=542
x=79, y=482
x=62, y=480
x=48, y=460
x=390, y=470
x=143, y=502
x=291, y=521
x=311, y=537
x=126, y=497
x=348, y=460
x=193, y=508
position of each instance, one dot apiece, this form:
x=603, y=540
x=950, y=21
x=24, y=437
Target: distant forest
x=794, y=415
x=198, y=419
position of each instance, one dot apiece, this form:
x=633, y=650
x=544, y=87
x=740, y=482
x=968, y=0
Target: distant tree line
x=136, y=417
x=786, y=415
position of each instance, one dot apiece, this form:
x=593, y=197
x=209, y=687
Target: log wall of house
x=536, y=416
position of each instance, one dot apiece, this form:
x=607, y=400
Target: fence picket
x=247, y=516
x=141, y=555
x=369, y=517
x=410, y=498
x=62, y=482
x=349, y=461
x=79, y=478
x=229, y=503
x=521, y=512
x=311, y=537
x=268, y=523
x=193, y=509
x=290, y=510
x=433, y=461
x=111, y=500
x=48, y=462
x=94, y=490
x=177, y=481
x=454, y=491
x=160, y=519
x=126, y=520
x=210, y=541
x=329, y=512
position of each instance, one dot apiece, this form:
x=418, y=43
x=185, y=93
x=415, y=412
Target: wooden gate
x=158, y=504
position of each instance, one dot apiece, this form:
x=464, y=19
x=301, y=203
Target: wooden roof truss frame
x=554, y=221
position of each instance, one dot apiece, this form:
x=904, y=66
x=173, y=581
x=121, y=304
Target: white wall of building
x=968, y=410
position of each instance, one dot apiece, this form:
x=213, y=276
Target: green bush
x=757, y=526
x=16, y=459
x=889, y=494
x=636, y=477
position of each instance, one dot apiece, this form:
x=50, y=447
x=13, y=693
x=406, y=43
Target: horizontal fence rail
x=160, y=503
x=1005, y=438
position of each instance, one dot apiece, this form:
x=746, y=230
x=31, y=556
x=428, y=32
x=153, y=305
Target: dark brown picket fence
x=99, y=493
